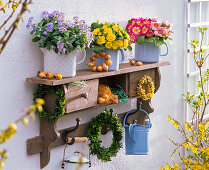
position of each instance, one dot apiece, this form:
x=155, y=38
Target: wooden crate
x=121, y=80
x=136, y=76
x=78, y=98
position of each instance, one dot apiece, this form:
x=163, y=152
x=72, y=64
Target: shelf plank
x=88, y=74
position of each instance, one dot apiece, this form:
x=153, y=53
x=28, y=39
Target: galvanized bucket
x=136, y=136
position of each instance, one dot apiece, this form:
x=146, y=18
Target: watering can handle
x=124, y=120
x=130, y=131
x=166, y=50
x=122, y=56
x=82, y=59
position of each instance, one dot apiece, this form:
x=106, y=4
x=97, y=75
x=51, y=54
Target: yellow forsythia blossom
x=185, y=144
x=40, y=101
x=110, y=37
x=187, y=126
x=176, y=124
x=108, y=45
x=169, y=119
x=1, y=4
x=101, y=40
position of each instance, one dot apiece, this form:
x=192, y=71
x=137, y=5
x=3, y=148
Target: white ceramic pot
x=61, y=64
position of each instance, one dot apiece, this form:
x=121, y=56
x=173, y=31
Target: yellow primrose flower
x=115, y=27
x=99, y=33
x=95, y=31
x=107, y=30
x=115, y=45
x=104, y=26
x=125, y=43
x=120, y=33
x=101, y=40
x=120, y=43
x=108, y=45
x=111, y=37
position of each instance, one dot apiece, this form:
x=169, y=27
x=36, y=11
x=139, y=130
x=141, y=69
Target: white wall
x=22, y=59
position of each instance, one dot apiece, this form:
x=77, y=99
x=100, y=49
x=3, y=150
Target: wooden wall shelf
x=88, y=74
x=127, y=77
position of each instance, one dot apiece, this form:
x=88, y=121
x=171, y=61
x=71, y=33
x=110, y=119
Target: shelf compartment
x=136, y=76
x=78, y=98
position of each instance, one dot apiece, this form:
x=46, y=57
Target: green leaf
x=66, y=34
x=41, y=45
x=159, y=42
x=43, y=37
x=130, y=48
x=32, y=31
x=36, y=39
x=56, y=50
x=48, y=48
x=98, y=49
x=140, y=39
x=151, y=39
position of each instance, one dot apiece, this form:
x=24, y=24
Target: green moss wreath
x=59, y=109
x=94, y=133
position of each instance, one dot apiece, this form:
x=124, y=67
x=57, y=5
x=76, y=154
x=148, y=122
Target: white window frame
x=189, y=25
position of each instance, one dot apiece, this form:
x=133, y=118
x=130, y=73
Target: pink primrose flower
x=147, y=21
x=160, y=31
x=150, y=34
x=155, y=25
x=145, y=29
x=133, y=38
x=136, y=30
x=168, y=34
x=133, y=21
x=128, y=27
x=154, y=19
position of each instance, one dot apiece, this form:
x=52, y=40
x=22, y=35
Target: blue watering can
x=136, y=135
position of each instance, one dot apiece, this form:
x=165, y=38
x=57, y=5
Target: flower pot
x=60, y=63
x=115, y=58
x=148, y=52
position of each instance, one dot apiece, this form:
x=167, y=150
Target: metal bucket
x=136, y=136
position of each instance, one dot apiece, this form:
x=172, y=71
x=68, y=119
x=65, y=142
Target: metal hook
x=65, y=133
x=139, y=105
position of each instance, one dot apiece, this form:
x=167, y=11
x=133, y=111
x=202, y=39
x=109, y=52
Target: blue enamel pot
x=115, y=58
x=148, y=52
